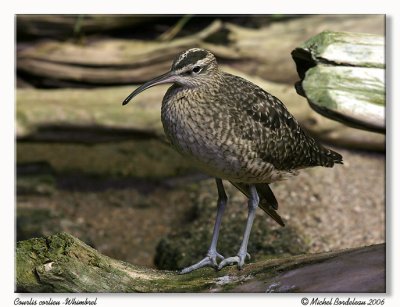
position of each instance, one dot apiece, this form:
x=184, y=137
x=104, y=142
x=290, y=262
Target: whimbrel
x=233, y=130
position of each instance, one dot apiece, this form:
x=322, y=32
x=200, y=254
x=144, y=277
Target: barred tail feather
x=329, y=158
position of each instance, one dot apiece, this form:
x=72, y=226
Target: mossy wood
x=343, y=77
x=96, y=115
x=62, y=263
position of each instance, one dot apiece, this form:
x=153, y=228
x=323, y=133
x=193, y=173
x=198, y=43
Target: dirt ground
x=126, y=218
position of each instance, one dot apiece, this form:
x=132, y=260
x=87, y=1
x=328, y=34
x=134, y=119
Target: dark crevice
x=97, y=66
x=86, y=134
x=89, y=183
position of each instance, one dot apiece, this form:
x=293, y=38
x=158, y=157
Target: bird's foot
x=209, y=261
x=239, y=259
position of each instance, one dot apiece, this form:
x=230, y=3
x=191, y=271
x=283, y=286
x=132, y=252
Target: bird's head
x=191, y=68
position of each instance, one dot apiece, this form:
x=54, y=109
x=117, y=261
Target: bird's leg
x=241, y=255
x=212, y=254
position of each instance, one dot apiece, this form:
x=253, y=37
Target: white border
x=177, y=7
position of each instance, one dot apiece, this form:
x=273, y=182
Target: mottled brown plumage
x=234, y=130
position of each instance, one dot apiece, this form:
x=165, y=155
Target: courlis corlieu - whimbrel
x=233, y=130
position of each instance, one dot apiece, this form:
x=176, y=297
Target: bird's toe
x=239, y=260
x=228, y=261
x=218, y=255
x=209, y=261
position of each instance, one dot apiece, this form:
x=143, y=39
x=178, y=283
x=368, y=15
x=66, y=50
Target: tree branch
x=63, y=263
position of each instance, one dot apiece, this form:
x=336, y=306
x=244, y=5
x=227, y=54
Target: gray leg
x=241, y=255
x=212, y=254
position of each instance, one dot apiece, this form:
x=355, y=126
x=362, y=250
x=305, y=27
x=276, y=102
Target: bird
x=235, y=131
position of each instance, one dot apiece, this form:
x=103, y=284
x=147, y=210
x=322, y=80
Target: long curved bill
x=168, y=77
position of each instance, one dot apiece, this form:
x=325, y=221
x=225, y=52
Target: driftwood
x=342, y=77
x=263, y=52
x=93, y=115
x=62, y=263
x=66, y=26
x=105, y=62
x=268, y=48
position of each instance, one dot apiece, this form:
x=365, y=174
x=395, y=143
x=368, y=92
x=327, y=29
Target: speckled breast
x=192, y=130
x=199, y=131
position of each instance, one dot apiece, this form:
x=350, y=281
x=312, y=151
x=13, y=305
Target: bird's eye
x=196, y=69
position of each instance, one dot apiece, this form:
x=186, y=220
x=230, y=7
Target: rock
x=189, y=244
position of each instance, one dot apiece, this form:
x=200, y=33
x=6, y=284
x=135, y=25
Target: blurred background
x=105, y=173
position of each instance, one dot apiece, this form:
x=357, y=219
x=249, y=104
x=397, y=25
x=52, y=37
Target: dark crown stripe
x=191, y=58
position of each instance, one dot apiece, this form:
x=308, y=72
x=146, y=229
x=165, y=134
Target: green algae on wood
x=353, y=95
x=62, y=263
x=346, y=48
x=343, y=77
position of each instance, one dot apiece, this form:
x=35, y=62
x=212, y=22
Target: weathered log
x=263, y=52
x=268, y=48
x=93, y=115
x=65, y=26
x=81, y=116
x=342, y=77
x=105, y=62
x=63, y=263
